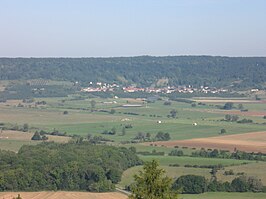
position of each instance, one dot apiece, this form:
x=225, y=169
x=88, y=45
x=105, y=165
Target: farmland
x=250, y=142
x=74, y=115
x=61, y=194
x=80, y=120
x=86, y=195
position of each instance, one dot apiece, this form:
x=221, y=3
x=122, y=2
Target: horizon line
x=76, y=57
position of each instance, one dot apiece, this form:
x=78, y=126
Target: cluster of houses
x=100, y=87
x=104, y=87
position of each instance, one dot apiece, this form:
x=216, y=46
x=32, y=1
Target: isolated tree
x=151, y=183
x=228, y=105
x=193, y=105
x=234, y=118
x=240, y=106
x=140, y=136
x=167, y=103
x=36, y=136
x=44, y=138
x=123, y=131
x=89, y=136
x=213, y=173
x=113, y=131
x=112, y=111
x=93, y=104
x=148, y=136
x=173, y=113
x=227, y=117
x=223, y=131
x=257, y=97
x=25, y=127
x=231, y=118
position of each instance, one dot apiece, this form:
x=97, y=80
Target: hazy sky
x=100, y=28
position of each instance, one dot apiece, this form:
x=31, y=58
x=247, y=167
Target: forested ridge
x=239, y=72
x=51, y=166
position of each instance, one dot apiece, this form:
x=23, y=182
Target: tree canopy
x=151, y=183
x=51, y=166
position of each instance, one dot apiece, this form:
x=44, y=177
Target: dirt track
x=249, y=142
x=62, y=195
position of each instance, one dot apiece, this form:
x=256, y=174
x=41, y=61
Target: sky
x=112, y=28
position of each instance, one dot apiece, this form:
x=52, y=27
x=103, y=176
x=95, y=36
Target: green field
x=166, y=160
x=80, y=120
x=174, y=172
x=223, y=195
x=253, y=169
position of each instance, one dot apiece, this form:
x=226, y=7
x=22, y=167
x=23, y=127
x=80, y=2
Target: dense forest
x=237, y=72
x=51, y=166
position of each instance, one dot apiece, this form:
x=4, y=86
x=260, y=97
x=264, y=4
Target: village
x=106, y=87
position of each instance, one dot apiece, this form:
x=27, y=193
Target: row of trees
x=146, y=137
x=193, y=184
x=239, y=155
x=215, y=153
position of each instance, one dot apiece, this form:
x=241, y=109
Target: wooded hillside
x=239, y=72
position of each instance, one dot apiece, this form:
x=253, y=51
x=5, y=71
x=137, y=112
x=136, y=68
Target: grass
x=175, y=172
x=15, y=145
x=183, y=160
x=254, y=169
x=222, y=195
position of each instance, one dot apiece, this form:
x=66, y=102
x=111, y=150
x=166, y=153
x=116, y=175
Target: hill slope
x=240, y=72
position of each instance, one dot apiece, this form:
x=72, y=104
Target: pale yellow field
x=62, y=195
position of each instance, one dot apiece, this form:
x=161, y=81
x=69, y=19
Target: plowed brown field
x=62, y=195
x=249, y=142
